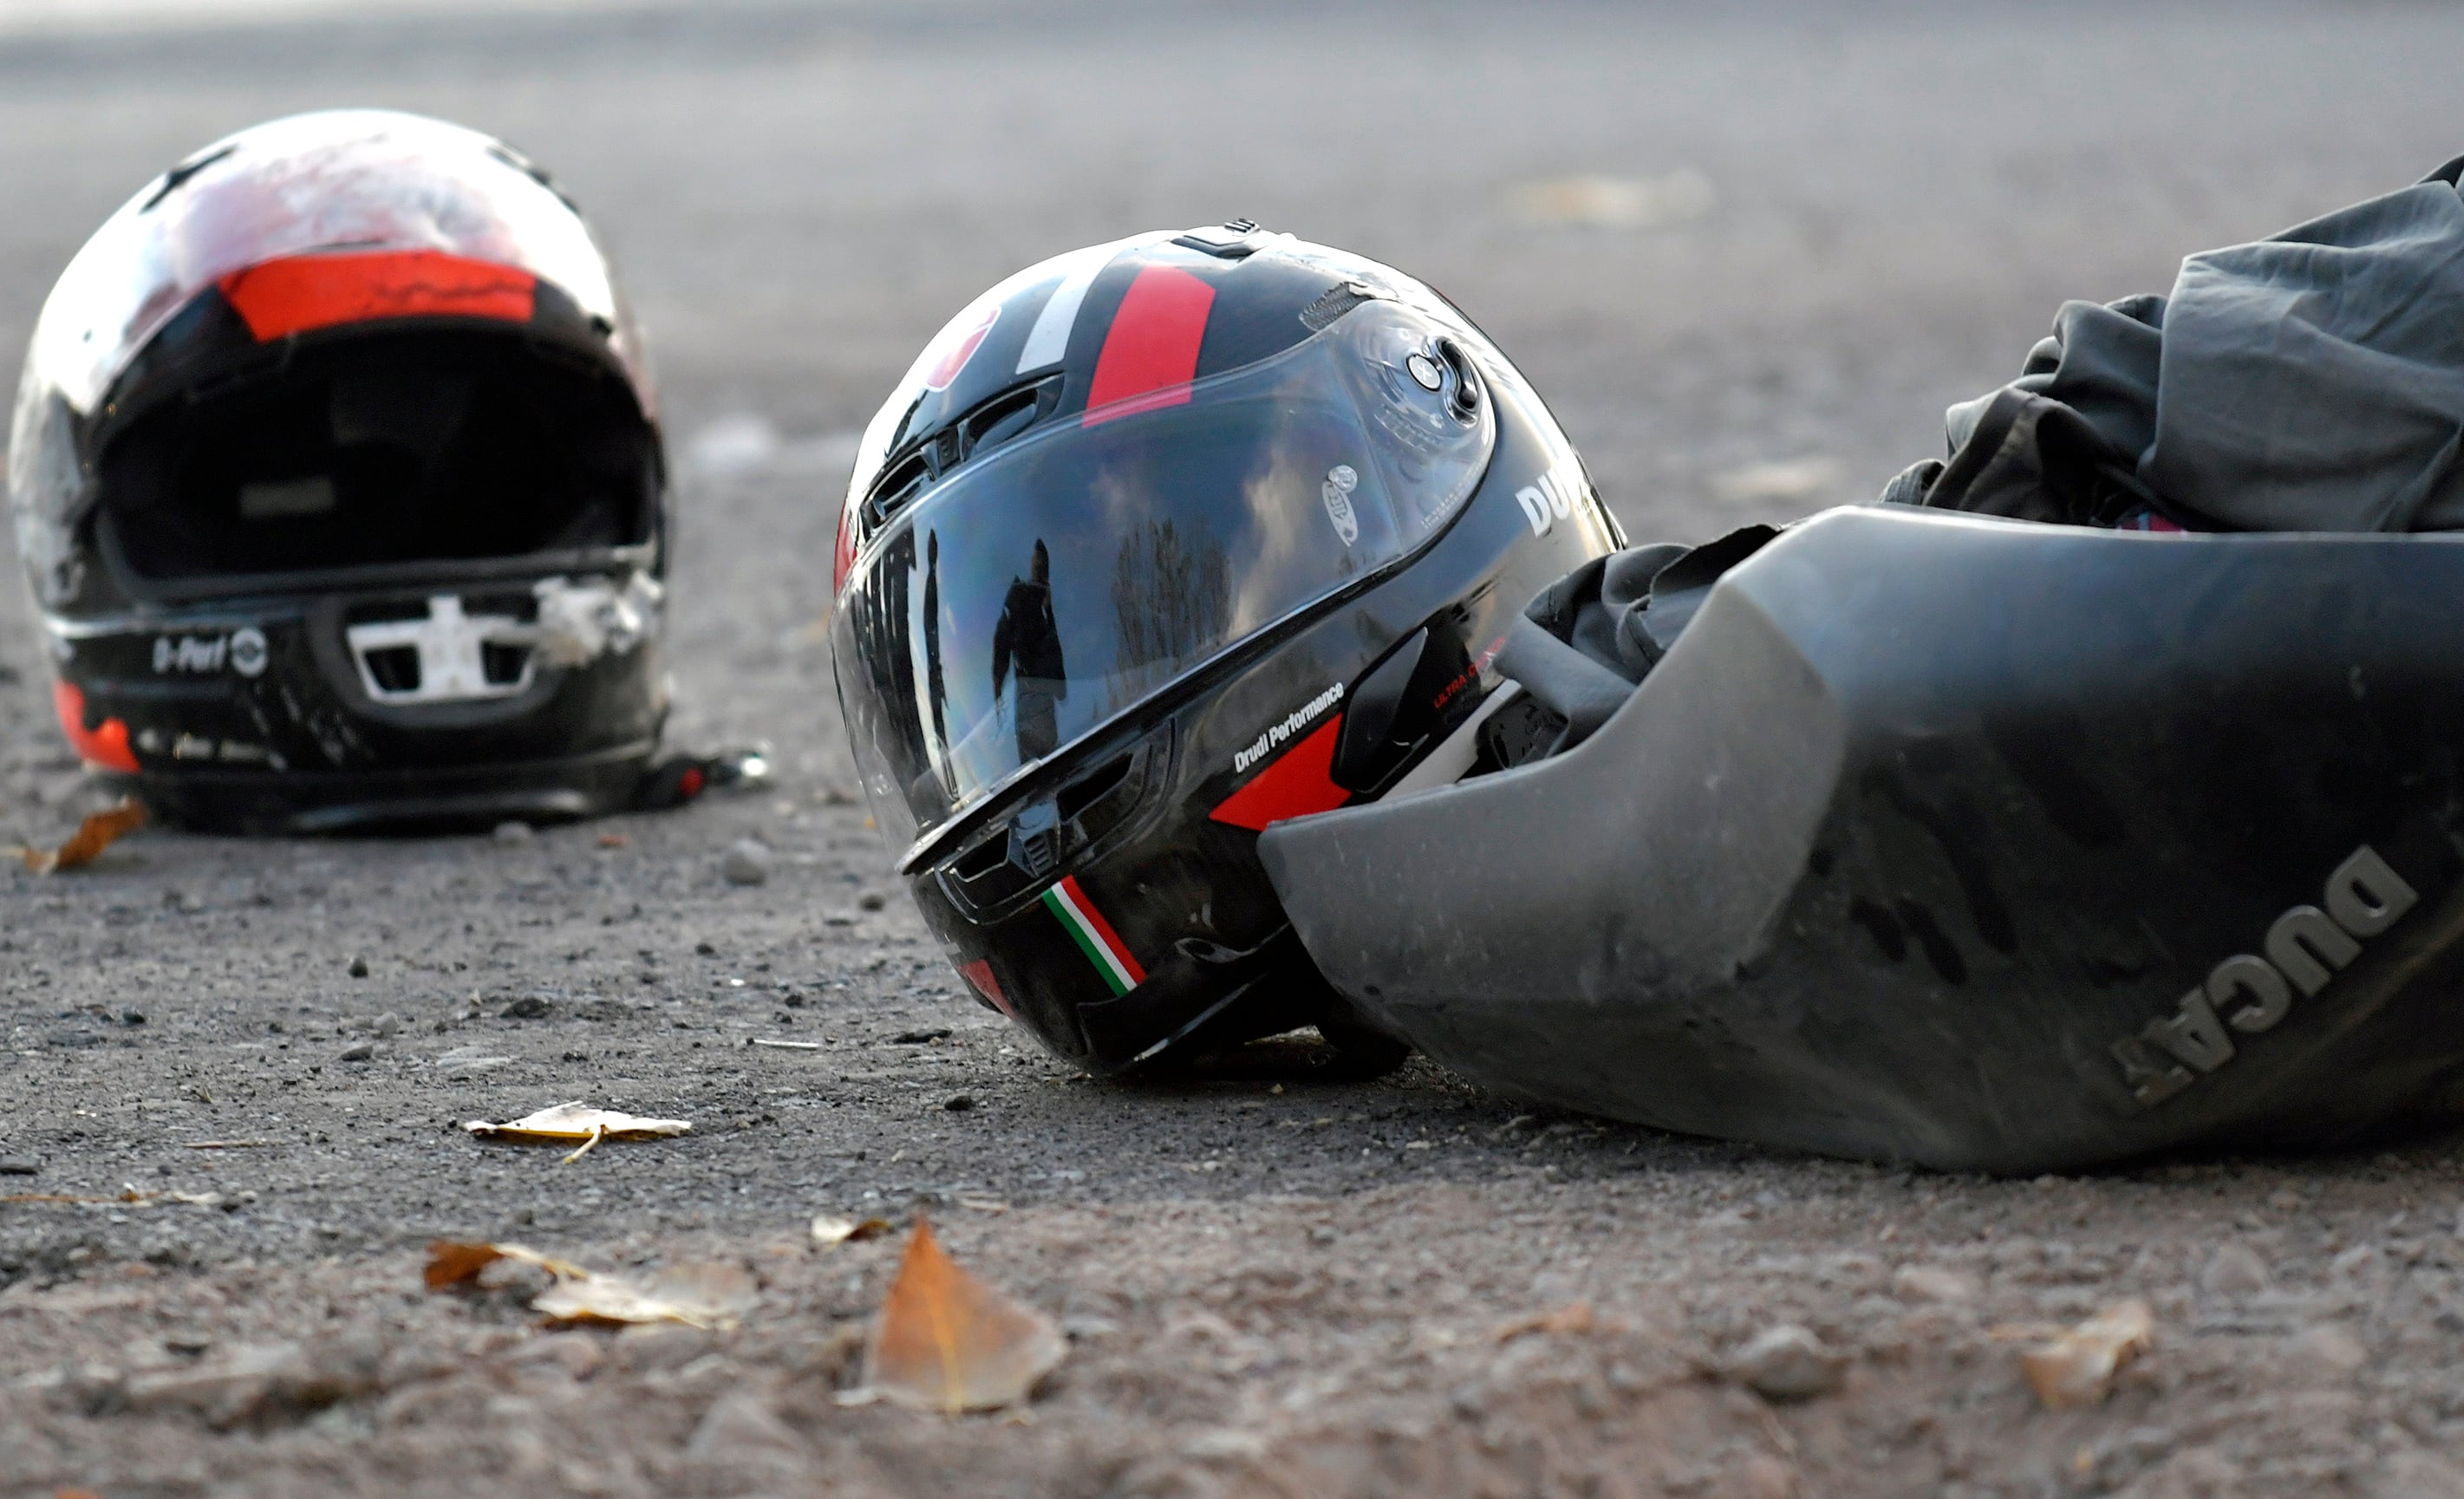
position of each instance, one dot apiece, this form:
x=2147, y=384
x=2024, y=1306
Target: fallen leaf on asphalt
x=828, y=1230
x=2076, y=1366
x=568, y=1122
x=702, y=1295
x=1574, y=1318
x=613, y=840
x=946, y=1342
x=453, y=1263
x=97, y=833
x=699, y=1295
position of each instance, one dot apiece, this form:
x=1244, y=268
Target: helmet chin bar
x=443, y=657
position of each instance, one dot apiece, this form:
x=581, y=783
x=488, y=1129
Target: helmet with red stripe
x=1159, y=542
x=338, y=488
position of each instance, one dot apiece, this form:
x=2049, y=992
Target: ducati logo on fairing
x=1550, y=500
x=2303, y=949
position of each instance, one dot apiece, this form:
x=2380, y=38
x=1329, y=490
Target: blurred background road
x=1749, y=251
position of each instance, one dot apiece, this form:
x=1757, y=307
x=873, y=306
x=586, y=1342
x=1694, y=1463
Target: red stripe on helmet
x=1150, y=353
x=304, y=293
x=980, y=973
x=843, y=551
x=106, y=746
x=1298, y=783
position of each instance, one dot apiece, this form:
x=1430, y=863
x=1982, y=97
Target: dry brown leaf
x=1574, y=1318
x=946, y=1342
x=452, y=1263
x=97, y=833
x=703, y=1295
x=568, y=1122
x=2077, y=1366
x=700, y=1295
x=828, y=1230
x=613, y=840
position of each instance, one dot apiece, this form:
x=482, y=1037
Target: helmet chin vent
x=1035, y=839
x=1034, y=853
x=1009, y=863
x=502, y=665
x=394, y=669
x=447, y=653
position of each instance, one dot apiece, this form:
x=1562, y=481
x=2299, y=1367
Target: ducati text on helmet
x=337, y=484
x=1158, y=542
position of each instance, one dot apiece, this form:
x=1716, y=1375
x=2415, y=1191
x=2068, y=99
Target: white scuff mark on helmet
x=580, y=622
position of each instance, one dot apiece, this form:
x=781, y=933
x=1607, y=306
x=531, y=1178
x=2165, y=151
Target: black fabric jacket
x=2313, y=381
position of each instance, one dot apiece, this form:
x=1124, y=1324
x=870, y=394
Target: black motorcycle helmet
x=1158, y=542
x=339, y=488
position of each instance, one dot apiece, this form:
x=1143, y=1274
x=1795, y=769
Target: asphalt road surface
x=1748, y=251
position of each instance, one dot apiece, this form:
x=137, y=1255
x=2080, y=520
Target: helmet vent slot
x=988, y=425
x=395, y=670
x=982, y=859
x=1012, y=861
x=1035, y=839
x=998, y=420
x=501, y=665
x=454, y=650
x=1093, y=788
x=1035, y=853
x=901, y=483
x=1333, y=303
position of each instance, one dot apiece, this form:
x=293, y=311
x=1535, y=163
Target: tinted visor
x=1052, y=585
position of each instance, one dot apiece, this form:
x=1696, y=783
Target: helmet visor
x=1050, y=586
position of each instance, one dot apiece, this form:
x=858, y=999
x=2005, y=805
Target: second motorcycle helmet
x=340, y=492
x=1159, y=542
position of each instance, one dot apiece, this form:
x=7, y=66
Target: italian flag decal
x=1094, y=936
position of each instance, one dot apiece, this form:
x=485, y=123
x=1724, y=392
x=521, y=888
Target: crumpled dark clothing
x=1586, y=642
x=2309, y=382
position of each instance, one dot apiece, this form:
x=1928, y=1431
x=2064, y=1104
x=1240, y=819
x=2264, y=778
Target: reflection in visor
x=1053, y=586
